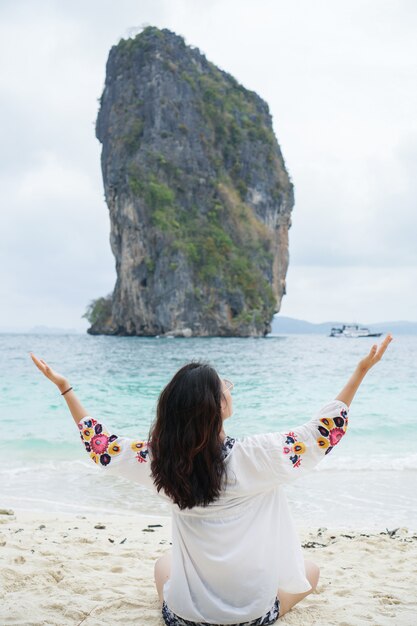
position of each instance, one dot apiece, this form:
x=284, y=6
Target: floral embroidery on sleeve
x=332, y=430
x=297, y=448
x=142, y=450
x=103, y=446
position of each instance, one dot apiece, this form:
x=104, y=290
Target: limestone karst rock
x=199, y=197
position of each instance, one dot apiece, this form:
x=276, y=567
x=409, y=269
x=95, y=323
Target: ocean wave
x=38, y=444
x=341, y=464
x=50, y=466
x=369, y=463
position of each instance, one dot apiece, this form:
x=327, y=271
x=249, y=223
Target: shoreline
x=73, y=569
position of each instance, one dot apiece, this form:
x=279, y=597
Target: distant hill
x=290, y=325
x=40, y=330
x=53, y=330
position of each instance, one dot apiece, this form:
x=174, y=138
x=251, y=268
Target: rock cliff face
x=199, y=198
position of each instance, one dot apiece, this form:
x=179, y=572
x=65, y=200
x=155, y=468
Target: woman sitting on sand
x=236, y=557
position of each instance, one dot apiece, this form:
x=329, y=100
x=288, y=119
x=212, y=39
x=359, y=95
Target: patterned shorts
x=171, y=619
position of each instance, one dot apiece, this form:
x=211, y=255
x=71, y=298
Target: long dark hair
x=185, y=444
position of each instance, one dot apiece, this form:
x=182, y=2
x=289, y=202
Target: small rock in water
x=6, y=512
x=123, y=540
x=41, y=526
x=148, y=530
x=99, y=526
x=154, y=525
x=111, y=540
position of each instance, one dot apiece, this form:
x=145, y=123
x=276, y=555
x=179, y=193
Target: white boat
x=352, y=330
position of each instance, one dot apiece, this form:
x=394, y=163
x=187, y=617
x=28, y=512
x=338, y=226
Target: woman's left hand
x=60, y=381
x=375, y=354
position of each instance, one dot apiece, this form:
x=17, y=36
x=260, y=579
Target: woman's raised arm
x=119, y=455
x=74, y=405
x=375, y=354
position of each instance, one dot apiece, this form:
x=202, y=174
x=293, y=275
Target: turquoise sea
x=368, y=481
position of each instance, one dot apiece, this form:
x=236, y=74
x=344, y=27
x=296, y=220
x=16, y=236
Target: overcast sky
x=340, y=80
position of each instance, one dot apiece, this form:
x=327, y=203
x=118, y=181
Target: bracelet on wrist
x=64, y=392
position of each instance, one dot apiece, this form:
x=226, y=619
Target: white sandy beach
x=61, y=569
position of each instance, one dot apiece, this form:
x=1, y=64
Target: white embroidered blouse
x=230, y=557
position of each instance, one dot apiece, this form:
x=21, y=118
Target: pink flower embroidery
x=335, y=435
x=99, y=443
x=286, y=450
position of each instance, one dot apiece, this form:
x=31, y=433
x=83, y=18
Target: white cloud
x=350, y=294
x=50, y=180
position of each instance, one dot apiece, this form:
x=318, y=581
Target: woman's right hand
x=60, y=381
x=375, y=355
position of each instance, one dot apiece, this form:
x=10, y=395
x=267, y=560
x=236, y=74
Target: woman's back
x=230, y=557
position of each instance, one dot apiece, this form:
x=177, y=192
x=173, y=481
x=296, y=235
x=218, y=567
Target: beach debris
x=18, y=530
x=150, y=528
x=111, y=540
x=313, y=544
x=348, y=536
x=100, y=526
x=6, y=512
x=80, y=517
x=391, y=533
x=123, y=540
x=321, y=531
x=19, y=559
x=41, y=527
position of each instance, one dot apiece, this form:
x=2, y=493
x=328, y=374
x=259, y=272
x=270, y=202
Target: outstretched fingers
x=384, y=345
x=40, y=363
x=35, y=360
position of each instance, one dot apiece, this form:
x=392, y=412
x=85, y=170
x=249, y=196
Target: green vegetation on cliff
x=99, y=310
x=226, y=245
